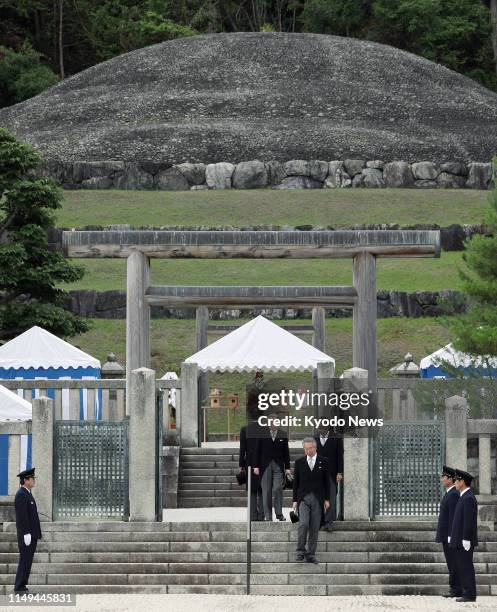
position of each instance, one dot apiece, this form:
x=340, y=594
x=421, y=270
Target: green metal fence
x=407, y=463
x=90, y=470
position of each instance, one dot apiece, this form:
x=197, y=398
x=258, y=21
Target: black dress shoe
x=464, y=599
x=280, y=517
x=299, y=558
x=451, y=594
x=312, y=560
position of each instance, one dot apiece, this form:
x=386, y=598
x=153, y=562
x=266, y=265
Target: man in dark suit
x=311, y=497
x=332, y=449
x=444, y=529
x=28, y=528
x=249, y=434
x=464, y=535
x=272, y=463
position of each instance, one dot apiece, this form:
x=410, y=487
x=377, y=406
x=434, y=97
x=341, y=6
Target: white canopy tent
x=13, y=407
x=432, y=365
x=259, y=344
x=39, y=349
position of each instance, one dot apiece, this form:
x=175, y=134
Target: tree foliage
x=29, y=270
x=476, y=332
x=74, y=34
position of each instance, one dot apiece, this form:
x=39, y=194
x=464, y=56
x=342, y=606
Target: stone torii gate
x=362, y=246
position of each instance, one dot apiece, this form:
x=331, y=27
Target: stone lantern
x=406, y=369
x=112, y=369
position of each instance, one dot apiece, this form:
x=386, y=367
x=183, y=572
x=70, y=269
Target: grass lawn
x=249, y=207
x=399, y=274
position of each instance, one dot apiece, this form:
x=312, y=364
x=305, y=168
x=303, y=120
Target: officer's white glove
x=27, y=539
x=466, y=544
x=448, y=539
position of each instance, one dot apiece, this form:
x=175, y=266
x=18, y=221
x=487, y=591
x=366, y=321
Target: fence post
x=189, y=416
x=43, y=442
x=456, y=432
x=484, y=464
x=356, y=462
x=142, y=448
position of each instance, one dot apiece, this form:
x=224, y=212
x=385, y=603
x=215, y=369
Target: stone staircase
x=382, y=557
x=207, y=478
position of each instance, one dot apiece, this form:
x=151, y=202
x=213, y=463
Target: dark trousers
x=26, y=554
x=454, y=579
x=331, y=514
x=272, y=483
x=309, y=521
x=466, y=570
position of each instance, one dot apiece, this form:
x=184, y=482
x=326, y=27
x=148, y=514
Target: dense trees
x=71, y=35
x=29, y=270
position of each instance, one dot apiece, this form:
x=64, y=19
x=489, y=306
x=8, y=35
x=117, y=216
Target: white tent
x=259, y=345
x=432, y=365
x=38, y=348
x=13, y=407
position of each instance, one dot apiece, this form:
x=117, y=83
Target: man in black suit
x=249, y=435
x=464, y=535
x=444, y=529
x=28, y=528
x=311, y=496
x=332, y=449
x=272, y=463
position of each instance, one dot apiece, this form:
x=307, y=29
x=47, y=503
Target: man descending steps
x=311, y=496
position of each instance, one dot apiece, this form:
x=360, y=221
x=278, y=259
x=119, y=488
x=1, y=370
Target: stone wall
x=293, y=174
x=112, y=305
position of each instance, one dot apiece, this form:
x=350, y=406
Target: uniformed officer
x=464, y=535
x=28, y=528
x=444, y=528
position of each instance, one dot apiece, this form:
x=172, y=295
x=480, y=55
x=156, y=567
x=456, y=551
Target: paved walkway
x=240, y=603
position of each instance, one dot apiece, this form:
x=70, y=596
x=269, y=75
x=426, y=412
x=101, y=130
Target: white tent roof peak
x=38, y=348
x=259, y=344
x=13, y=407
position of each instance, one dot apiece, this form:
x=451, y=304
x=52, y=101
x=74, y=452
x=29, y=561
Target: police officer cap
x=462, y=475
x=26, y=473
x=448, y=471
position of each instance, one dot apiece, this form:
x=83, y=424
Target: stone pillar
x=43, y=440
x=356, y=467
x=364, y=316
x=484, y=464
x=189, y=417
x=325, y=374
x=143, y=455
x=137, y=316
x=319, y=332
x=456, y=432
x=201, y=322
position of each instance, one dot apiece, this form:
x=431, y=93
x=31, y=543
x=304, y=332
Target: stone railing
x=256, y=174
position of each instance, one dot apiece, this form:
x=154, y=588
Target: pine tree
x=29, y=269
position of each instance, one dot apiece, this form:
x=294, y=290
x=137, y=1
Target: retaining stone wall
x=293, y=174
x=112, y=305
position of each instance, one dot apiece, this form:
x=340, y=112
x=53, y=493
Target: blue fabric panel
x=4, y=464
x=29, y=458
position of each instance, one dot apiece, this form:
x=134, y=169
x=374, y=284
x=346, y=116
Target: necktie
x=311, y=463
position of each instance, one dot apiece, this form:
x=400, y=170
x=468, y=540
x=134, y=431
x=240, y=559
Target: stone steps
x=383, y=557
x=201, y=470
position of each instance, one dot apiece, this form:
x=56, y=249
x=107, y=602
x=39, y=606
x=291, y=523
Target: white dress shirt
x=311, y=461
